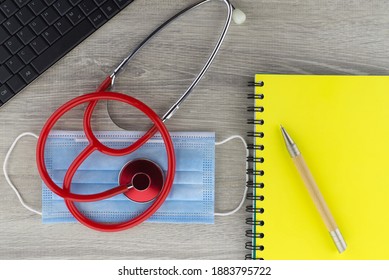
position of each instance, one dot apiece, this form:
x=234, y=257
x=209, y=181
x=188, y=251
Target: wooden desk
x=279, y=36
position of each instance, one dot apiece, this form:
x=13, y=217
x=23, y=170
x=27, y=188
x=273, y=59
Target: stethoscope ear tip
x=238, y=16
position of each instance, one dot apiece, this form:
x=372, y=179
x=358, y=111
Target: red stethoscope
x=140, y=180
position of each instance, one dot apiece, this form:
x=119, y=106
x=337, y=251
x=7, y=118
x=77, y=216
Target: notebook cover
x=341, y=126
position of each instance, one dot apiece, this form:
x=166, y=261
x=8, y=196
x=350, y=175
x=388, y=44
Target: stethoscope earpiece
x=238, y=16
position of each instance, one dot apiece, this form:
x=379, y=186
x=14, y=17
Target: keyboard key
x=37, y=6
x=50, y=15
x=75, y=15
x=27, y=54
x=110, y=9
x=8, y=8
x=63, y=45
x=39, y=45
x=51, y=35
x=28, y=74
x=15, y=64
x=74, y=2
x=25, y=15
x=62, y=6
x=5, y=74
x=99, y=2
x=123, y=3
x=26, y=35
x=16, y=83
x=5, y=93
x=21, y=3
x=87, y=6
x=63, y=25
x=38, y=25
x=97, y=18
x=49, y=2
x=12, y=25
x=4, y=54
x=4, y=35
x=13, y=44
x=2, y=17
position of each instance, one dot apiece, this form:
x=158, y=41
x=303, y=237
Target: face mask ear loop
x=5, y=164
x=6, y=174
x=247, y=176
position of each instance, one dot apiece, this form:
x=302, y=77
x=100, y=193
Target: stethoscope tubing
x=93, y=145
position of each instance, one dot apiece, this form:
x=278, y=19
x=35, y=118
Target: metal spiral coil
x=251, y=184
x=255, y=174
x=255, y=134
x=254, y=121
x=255, y=159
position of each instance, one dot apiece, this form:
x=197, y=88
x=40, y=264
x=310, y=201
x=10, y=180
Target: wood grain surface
x=279, y=36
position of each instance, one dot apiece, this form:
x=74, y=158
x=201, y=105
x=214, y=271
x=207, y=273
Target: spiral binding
x=252, y=184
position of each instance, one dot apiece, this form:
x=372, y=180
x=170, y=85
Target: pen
x=314, y=192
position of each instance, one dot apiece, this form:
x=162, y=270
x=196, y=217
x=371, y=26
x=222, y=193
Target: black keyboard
x=34, y=34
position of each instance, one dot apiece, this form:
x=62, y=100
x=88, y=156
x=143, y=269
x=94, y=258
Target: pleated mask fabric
x=191, y=199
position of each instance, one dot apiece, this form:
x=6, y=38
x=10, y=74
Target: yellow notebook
x=341, y=127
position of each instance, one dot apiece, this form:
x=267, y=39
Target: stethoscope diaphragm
x=144, y=178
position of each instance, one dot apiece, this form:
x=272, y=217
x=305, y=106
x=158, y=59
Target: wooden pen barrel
x=315, y=193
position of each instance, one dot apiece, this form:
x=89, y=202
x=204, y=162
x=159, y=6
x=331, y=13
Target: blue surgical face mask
x=191, y=199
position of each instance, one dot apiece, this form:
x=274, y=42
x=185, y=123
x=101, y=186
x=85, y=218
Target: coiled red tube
x=95, y=144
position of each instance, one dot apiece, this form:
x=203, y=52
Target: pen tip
x=290, y=145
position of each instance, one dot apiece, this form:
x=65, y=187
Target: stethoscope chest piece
x=145, y=179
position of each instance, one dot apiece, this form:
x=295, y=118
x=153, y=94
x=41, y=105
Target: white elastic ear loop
x=40, y=213
x=247, y=176
x=6, y=174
